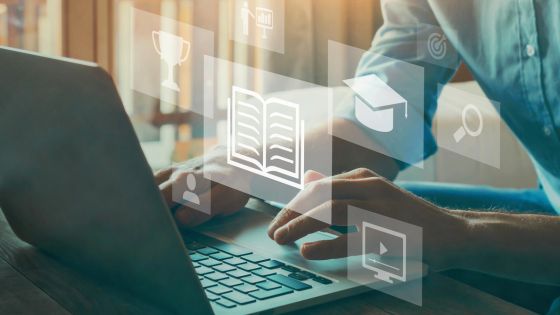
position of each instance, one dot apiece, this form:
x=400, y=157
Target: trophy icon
x=171, y=50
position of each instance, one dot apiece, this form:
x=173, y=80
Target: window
x=32, y=25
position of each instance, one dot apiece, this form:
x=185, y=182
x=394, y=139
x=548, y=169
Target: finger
x=355, y=186
x=287, y=214
x=338, y=211
x=357, y=173
x=331, y=249
x=311, y=176
x=163, y=175
x=187, y=217
x=226, y=200
x=300, y=226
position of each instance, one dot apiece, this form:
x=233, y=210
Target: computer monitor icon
x=265, y=20
x=384, y=251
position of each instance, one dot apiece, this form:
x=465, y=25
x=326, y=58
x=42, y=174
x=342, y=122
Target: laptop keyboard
x=233, y=276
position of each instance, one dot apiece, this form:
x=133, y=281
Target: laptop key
x=210, y=262
x=271, y=264
x=249, y=266
x=207, y=251
x=203, y=270
x=233, y=250
x=307, y=274
x=194, y=245
x=246, y=288
x=290, y=268
x=254, y=258
x=234, y=261
x=263, y=272
x=212, y=296
x=298, y=276
x=219, y=289
x=238, y=273
x=231, y=282
x=195, y=265
x=196, y=257
x=226, y=303
x=289, y=282
x=221, y=256
x=267, y=294
x=216, y=276
x=322, y=280
x=253, y=279
x=207, y=283
x=224, y=268
x=238, y=298
x=268, y=285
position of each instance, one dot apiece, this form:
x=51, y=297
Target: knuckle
x=315, y=187
x=364, y=172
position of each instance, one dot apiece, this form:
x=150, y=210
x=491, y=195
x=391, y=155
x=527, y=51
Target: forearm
x=523, y=247
x=346, y=155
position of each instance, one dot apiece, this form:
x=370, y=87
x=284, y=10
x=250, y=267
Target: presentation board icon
x=384, y=252
x=375, y=102
x=174, y=50
x=264, y=19
x=266, y=137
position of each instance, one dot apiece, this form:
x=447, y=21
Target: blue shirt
x=512, y=47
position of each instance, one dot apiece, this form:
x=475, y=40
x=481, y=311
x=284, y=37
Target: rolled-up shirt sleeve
x=393, y=57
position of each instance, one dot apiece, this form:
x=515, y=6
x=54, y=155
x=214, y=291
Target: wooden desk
x=31, y=282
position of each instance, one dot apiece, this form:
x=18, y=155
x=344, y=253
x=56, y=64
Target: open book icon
x=266, y=136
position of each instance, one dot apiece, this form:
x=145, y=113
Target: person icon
x=189, y=195
x=245, y=14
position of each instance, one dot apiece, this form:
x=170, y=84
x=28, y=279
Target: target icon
x=437, y=46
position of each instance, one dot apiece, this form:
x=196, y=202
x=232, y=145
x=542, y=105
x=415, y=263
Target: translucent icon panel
x=258, y=23
x=469, y=124
x=191, y=190
x=383, y=97
x=260, y=122
x=385, y=254
x=168, y=57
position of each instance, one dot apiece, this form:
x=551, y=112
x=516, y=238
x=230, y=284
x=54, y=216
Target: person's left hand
x=444, y=233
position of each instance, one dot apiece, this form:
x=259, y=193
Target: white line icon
x=174, y=50
x=385, y=269
x=266, y=137
x=375, y=102
x=264, y=19
x=464, y=129
x=437, y=46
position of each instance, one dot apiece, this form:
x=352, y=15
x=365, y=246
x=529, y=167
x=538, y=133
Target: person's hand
x=223, y=200
x=443, y=232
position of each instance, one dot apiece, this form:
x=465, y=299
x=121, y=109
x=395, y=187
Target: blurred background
x=99, y=31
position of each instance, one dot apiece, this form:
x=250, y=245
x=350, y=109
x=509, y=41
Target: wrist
x=468, y=244
x=457, y=240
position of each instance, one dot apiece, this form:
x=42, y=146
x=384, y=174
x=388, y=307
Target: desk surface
x=31, y=282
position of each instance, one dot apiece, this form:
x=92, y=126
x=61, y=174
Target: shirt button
x=530, y=50
x=547, y=131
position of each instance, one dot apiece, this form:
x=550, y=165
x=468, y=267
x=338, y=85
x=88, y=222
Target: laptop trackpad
x=248, y=228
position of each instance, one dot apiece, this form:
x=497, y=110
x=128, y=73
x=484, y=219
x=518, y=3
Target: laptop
x=75, y=183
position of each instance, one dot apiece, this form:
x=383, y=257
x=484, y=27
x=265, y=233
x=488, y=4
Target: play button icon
x=382, y=249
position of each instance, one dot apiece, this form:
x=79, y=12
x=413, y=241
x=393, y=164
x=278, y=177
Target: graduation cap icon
x=375, y=102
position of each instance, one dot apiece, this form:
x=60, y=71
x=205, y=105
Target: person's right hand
x=222, y=199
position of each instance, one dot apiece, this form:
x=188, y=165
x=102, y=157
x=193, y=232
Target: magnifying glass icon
x=464, y=129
